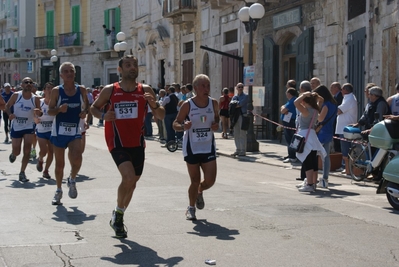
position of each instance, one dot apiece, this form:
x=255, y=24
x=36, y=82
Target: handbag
x=245, y=123
x=298, y=141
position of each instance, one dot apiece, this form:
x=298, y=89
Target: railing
x=45, y=42
x=175, y=6
x=70, y=39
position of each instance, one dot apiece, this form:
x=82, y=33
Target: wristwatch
x=156, y=106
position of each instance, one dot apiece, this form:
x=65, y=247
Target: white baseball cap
x=7, y=84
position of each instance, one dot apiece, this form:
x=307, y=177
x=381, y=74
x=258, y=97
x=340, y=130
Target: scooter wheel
x=171, y=146
x=394, y=201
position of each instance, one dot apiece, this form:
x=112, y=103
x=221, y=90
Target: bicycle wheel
x=357, y=162
x=171, y=146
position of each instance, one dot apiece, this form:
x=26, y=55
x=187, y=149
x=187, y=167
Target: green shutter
x=117, y=20
x=76, y=24
x=50, y=29
x=106, y=18
x=15, y=43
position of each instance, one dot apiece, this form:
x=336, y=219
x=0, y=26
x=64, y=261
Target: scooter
x=385, y=135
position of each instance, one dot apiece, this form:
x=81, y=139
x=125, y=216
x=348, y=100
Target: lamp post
x=54, y=60
x=121, y=46
x=250, y=15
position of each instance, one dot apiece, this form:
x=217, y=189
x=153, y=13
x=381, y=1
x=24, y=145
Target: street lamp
x=54, y=60
x=250, y=15
x=121, y=46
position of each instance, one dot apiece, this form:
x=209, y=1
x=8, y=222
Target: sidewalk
x=270, y=152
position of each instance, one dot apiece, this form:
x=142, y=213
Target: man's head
x=67, y=72
x=27, y=84
x=162, y=93
x=128, y=67
x=7, y=87
x=305, y=86
x=291, y=84
x=335, y=88
x=347, y=88
x=291, y=92
x=315, y=82
x=189, y=87
x=201, y=84
x=367, y=89
x=240, y=88
x=375, y=93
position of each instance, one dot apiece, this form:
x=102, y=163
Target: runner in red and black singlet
x=126, y=107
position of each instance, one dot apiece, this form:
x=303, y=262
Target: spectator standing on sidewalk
x=170, y=104
x=326, y=118
x=199, y=149
x=240, y=136
x=288, y=116
x=224, y=102
x=26, y=107
x=393, y=101
x=127, y=103
x=347, y=115
x=315, y=82
x=335, y=89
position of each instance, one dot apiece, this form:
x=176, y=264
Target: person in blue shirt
x=326, y=117
x=240, y=136
x=6, y=95
x=288, y=116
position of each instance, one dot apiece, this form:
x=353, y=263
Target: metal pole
x=252, y=144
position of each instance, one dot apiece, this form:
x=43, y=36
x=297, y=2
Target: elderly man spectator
x=315, y=82
x=335, y=89
x=393, y=101
x=347, y=115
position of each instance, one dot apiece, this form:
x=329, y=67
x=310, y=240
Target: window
x=188, y=47
x=112, y=18
x=356, y=8
x=230, y=37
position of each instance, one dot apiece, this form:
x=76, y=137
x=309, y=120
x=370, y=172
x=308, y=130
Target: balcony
x=179, y=10
x=44, y=44
x=12, y=23
x=71, y=41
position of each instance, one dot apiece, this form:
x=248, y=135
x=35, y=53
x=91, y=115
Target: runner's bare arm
x=100, y=102
x=53, y=110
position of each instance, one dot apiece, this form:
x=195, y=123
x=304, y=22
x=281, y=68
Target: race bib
x=202, y=134
x=21, y=121
x=126, y=110
x=46, y=124
x=66, y=128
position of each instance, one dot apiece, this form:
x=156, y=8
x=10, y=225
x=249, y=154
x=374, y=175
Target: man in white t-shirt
x=347, y=114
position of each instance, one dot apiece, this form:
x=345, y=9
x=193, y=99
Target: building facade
x=16, y=41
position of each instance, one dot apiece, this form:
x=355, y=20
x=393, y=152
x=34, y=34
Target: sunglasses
x=28, y=82
x=240, y=87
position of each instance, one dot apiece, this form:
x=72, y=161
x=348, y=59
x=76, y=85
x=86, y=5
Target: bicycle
x=173, y=145
x=361, y=161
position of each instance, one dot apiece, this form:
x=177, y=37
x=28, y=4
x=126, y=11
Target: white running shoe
x=306, y=188
x=305, y=182
x=323, y=183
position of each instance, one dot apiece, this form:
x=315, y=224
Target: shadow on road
x=28, y=185
x=75, y=217
x=204, y=228
x=134, y=254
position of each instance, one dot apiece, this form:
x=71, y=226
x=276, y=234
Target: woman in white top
x=309, y=109
x=44, y=125
x=199, y=118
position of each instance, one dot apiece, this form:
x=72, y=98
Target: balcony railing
x=173, y=8
x=12, y=23
x=70, y=39
x=45, y=42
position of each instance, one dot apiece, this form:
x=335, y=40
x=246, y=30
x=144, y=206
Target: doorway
x=289, y=60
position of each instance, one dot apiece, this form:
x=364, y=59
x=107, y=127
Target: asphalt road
x=254, y=216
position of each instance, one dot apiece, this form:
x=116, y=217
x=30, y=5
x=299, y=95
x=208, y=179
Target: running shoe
x=57, y=198
x=323, y=183
x=73, y=192
x=12, y=158
x=116, y=223
x=306, y=188
x=22, y=177
x=39, y=165
x=305, y=182
x=200, y=203
x=190, y=214
x=6, y=141
x=46, y=174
